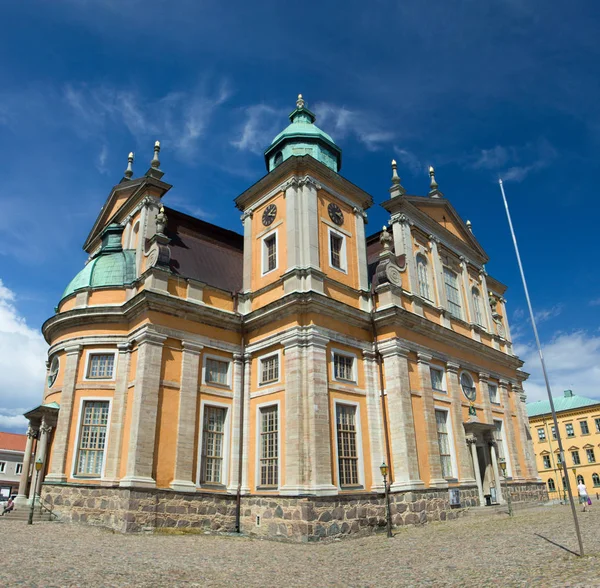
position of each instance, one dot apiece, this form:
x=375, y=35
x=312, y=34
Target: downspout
x=238, y=500
x=379, y=360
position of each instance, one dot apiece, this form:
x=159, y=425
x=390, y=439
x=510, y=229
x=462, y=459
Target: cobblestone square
x=491, y=550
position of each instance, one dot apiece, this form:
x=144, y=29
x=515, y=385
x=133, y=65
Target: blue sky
x=478, y=89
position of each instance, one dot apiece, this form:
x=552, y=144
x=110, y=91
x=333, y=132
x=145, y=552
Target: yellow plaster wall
x=90, y=331
x=218, y=298
x=119, y=201
x=421, y=438
x=442, y=216
x=99, y=297
x=274, y=292
x=182, y=324
x=67, y=304
x=341, y=294
x=177, y=287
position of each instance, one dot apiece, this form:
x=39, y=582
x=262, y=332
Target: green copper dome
x=303, y=137
x=112, y=266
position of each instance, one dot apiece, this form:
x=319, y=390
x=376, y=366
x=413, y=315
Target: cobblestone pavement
x=491, y=550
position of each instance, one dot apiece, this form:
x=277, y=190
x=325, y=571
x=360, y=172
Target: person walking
x=10, y=505
x=583, y=496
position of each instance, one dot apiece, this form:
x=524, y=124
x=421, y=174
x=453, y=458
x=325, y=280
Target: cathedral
x=262, y=382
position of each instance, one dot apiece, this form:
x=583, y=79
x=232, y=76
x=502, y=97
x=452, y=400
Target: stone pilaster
x=433, y=448
x=486, y=303
x=470, y=311
x=309, y=222
x=292, y=214
x=374, y=418
x=142, y=436
x=402, y=428
x=494, y=451
x=236, y=426
x=247, y=276
x=117, y=418
x=438, y=278
x=317, y=425
x=58, y=472
x=403, y=245
x=186, y=424
x=294, y=417
x=509, y=433
x=22, y=494
x=485, y=393
x=245, y=488
x=361, y=249
x=465, y=470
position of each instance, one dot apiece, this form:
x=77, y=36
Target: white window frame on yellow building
x=437, y=368
x=505, y=448
x=258, y=447
x=226, y=360
x=88, y=359
x=343, y=251
x=354, y=358
x=77, y=436
x=265, y=252
x=261, y=359
x=360, y=466
x=453, y=460
x=226, y=444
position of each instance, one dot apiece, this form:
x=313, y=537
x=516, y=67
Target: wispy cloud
x=261, y=124
x=595, y=302
x=102, y=157
x=545, y=314
x=409, y=160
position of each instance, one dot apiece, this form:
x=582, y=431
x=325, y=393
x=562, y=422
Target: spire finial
x=300, y=101
x=469, y=226
x=155, y=163
x=396, y=189
x=433, y=185
x=129, y=171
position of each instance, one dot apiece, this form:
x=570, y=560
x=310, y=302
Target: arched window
x=551, y=485
x=580, y=479
x=423, y=277
x=477, y=307
x=596, y=479
x=278, y=158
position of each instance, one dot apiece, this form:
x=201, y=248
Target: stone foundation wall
x=298, y=519
x=528, y=492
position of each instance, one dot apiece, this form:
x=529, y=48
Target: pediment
x=573, y=448
x=545, y=452
x=588, y=446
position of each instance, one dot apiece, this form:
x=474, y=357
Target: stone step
x=22, y=514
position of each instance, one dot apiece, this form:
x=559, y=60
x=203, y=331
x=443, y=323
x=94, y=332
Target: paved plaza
x=492, y=550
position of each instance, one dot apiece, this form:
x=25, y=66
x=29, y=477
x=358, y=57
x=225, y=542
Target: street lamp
x=502, y=463
x=38, y=467
x=384, y=472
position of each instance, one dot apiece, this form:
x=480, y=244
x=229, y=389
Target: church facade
x=204, y=379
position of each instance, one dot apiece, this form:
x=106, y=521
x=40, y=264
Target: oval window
x=468, y=386
x=53, y=373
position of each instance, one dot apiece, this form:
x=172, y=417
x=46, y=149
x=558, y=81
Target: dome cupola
x=303, y=137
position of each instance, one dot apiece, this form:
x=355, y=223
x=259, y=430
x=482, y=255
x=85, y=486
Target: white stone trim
x=106, y=440
x=451, y=439
x=333, y=353
x=261, y=359
x=267, y=230
x=444, y=382
x=343, y=250
x=225, y=474
x=359, y=447
x=264, y=252
x=227, y=360
x=509, y=473
x=257, y=445
x=335, y=227
x=88, y=355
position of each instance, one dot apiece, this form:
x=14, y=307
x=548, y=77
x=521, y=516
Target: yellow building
x=200, y=378
x=579, y=426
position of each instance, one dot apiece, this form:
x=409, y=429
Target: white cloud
x=545, y=314
x=260, y=127
x=572, y=361
x=22, y=356
x=102, y=157
x=409, y=160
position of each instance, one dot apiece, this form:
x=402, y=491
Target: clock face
x=269, y=215
x=335, y=214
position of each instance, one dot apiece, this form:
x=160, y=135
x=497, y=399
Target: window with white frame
x=585, y=430
x=337, y=250
x=213, y=444
x=269, y=369
x=591, y=457
x=546, y=460
x=477, y=306
x=344, y=366
x=493, y=392
x=92, y=438
x=438, y=379
x=269, y=446
x=269, y=262
x=452, y=293
x=216, y=371
x=347, y=445
x=19, y=468
x=423, y=276
x=541, y=434
x=101, y=366
x=2, y=467
x=441, y=419
x=498, y=437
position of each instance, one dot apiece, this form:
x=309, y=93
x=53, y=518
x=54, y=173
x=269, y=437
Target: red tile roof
x=13, y=441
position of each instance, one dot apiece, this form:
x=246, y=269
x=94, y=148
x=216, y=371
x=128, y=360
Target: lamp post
x=38, y=467
x=502, y=463
x=384, y=472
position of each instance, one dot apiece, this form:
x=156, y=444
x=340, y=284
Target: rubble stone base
x=302, y=519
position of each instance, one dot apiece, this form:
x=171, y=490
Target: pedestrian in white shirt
x=583, y=496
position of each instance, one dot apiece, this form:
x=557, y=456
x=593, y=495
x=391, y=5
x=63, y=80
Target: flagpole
x=539, y=346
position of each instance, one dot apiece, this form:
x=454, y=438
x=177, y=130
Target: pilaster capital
x=45, y=429
x=293, y=340
x=359, y=212
x=471, y=439
x=150, y=337
x=503, y=384
x=192, y=347
x=484, y=377
x=315, y=339
x=238, y=358
x=433, y=240
x=309, y=181
x=291, y=183
x=73, y=349
x=424, y=358
x=247, y=214
x=32, y=432
x=393, y=348
x=124, y=347
x=452, y=367
x=369, y=355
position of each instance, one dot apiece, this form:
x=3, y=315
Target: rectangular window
x=569, y=429
x=575, y=456
x=19, y=468
x=336, y=243
x=270, y=253
x=343, y=367
x=269, y=446
x=546, y=459
x=499, y=439
x=437, y=379
x=92, y=438
x=347, y=451
x=553, y=431
x=2, y=467
x=597, y=423
x=269, y=369
x=590, y=455
x=216, y=372
x=452, y=293
x=585, y=430
x=541, y=434
x=213, y=439
x=101, y=366
x=493, y=389
x=558, y=459
x=441, y=418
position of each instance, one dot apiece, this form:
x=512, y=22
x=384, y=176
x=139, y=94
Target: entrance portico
x=482, y=445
